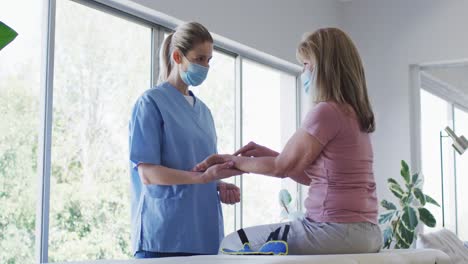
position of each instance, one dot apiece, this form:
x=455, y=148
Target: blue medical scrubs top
x=166, y=130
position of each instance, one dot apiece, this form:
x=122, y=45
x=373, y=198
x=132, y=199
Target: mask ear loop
x=182, y=55
x=313, y=80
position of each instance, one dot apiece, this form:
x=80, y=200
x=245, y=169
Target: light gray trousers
x=311, y=238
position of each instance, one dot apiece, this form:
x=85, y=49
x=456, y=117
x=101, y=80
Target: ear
x=177, y=56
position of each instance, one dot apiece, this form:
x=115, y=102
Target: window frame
x=422, y=80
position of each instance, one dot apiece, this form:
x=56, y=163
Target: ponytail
x=165, y=66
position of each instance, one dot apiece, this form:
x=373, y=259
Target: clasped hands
x=221, y=166
x=217, y=167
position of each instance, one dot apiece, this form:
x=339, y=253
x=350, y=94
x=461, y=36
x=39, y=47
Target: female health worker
x=175, y=211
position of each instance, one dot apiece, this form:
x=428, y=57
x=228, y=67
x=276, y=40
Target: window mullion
x=157, y=38
x=238, y=222
x=45, y=133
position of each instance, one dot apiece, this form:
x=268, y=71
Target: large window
x=103, y=59
x=269, y=119
x=19, y=114
x=102, y=64
x=218, y=93
x=445, y=171
x=434, y=118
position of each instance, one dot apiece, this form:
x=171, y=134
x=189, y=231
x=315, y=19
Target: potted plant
x=403, y=219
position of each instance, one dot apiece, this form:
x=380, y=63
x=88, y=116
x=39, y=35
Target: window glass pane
x=269, y=119
x=435, y=116
x=461, y=128
x=20, y=64
x=102, y=64
x=218, y=93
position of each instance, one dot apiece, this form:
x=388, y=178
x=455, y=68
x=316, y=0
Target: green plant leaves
x=7, y=35
x=420, y=196
x=392, y=181
x=284, y=197
x=409, y=218
x=396, y=190
x=405, y=173
x=431, y=200
x=401, y=231
x=386, y=217
x=415, y=178
x=426, y=217
x=406, y=199
x=387, y=237
x=388, y=205
x=406, y=237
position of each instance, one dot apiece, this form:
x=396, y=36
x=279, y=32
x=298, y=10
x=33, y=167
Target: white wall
x=271, y=26
x=391, y=35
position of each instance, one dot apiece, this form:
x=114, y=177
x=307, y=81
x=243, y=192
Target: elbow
x=280, y=173
x=145, y=179
x=280, y=170
x=282, y=176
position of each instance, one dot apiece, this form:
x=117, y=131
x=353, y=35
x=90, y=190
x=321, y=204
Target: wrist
x=220, y=184
x=238, y=160
x=200, y=178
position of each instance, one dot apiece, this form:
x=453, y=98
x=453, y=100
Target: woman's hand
x=219, y=171
x=228, y=193
x=213, y=160
x=252, y=149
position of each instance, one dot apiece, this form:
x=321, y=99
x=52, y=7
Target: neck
x=175, y=80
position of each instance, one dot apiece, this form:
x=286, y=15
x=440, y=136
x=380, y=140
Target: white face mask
x=309, y=79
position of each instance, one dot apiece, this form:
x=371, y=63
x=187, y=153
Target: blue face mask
x=308, y=79
x=194, y=75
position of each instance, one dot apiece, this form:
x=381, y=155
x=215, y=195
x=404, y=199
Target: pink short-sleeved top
x=342, y=187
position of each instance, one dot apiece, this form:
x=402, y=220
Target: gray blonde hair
x=340, y=74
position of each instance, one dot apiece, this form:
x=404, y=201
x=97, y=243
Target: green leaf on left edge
x=420, y=196
x=7, y=35
x=426, y=217
x=409, y=218
x=405, y=173
x=431, y=200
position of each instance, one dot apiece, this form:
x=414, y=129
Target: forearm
x=260, y=165
x=156, y=174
